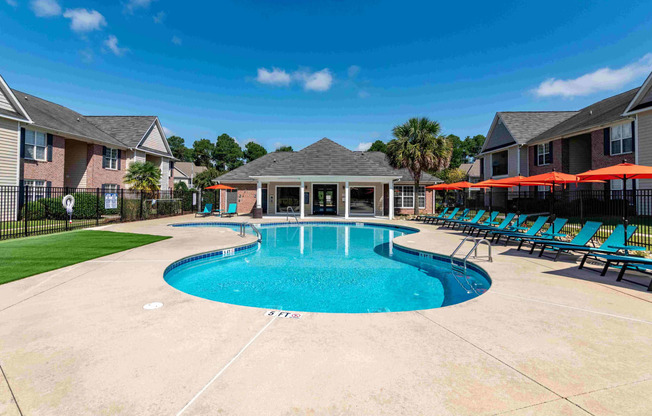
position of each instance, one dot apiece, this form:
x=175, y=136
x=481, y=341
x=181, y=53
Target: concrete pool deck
x=546, y=339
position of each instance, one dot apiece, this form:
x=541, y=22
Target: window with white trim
x=404, y=196
x=110, y=188
x=36, y=189
x=111, y=158
x=35, y=145
x=621, y=139
x=544, y=154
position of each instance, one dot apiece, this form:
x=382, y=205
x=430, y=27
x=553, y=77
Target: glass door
x=324, y=201
x=287, y=197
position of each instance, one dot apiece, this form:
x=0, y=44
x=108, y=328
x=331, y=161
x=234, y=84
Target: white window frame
x=37, y=189
x=543, y=150
x=112, y=158
x=110, y=188
x=399, y=194
x=34, y=145
x=617, y=136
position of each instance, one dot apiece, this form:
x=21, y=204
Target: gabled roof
x=16, y=111
x=471, y=169
x=323, y=158
x=130, y=130
x=60, y=119
x=597, y=115
x=187, y=168
x=642, y=99
x=519, y=127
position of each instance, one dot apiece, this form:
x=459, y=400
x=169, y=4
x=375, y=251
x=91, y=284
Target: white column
x=391, y=200
x=259, y=194
x=302, y=206
x=346, y=200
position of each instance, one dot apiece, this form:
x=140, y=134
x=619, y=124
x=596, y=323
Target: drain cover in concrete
x=153, y=305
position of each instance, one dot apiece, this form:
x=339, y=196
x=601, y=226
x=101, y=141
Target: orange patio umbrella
x=443, y=187
x=622, y=171
x=219, y=186
x=491, y=183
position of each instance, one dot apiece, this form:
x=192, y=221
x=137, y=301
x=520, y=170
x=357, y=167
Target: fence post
x=122, y=204
x=141, y=204
x=25, y=205
x=97, y=206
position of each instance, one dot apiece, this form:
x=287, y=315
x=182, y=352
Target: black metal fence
x=578, y=206
x=26, y=211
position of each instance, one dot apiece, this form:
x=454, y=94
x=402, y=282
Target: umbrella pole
x=625, y=222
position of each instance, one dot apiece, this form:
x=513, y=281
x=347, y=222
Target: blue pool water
x=328, y=268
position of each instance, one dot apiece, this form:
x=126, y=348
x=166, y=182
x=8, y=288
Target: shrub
x=86, y=206
x=33, y=211
x=53, y=209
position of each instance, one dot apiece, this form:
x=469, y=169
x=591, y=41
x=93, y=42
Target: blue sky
x=291, y=72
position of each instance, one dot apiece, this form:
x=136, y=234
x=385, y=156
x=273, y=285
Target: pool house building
x=326, y=179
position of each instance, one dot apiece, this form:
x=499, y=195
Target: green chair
x=529, y=232
x=424, y=218
x=612, y=245
x=550, y=234
x=488, y=227
x=444, y=218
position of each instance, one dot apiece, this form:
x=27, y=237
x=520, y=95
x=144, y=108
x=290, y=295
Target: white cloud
x=83, y=20
x=363, y=146
x=44, y=8
x=167, y=132
x=159, y=17
x=87, y=55
x=274, y=77
x=112, y=43
x=315, y=81
x=353, y=71
x=176, y=40
x=137, y=4
x=604, y=79
x=12, y=3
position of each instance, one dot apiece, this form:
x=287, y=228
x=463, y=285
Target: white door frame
x=374, y=200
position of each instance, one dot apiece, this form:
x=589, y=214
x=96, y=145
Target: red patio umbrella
x=491, y=183
x=443, y=187
x=622, y=171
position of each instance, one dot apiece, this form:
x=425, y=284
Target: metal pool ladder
x=294, y=215
x=243, y=230
x=474, y=251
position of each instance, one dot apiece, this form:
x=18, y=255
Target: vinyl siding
x=500, y=136
x=512, y=161
x=645, y=145
x=9, y=138
x=579, y=153
x=647, y=98
x=76, y=164
x=154, y=140
x=165, y=174
x=4, y=102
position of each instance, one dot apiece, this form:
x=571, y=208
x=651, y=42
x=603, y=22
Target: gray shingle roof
x=187, y=168
x=128, y=129
x=325, y=157
x=526, y=125
x=244, y=172
x=322, y=158
x=599, y=114
x=58, y=118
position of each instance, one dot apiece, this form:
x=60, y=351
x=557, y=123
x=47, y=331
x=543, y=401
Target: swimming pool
x=326, y=267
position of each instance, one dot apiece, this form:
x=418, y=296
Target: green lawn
x=29, y=256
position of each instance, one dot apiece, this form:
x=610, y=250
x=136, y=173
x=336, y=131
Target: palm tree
x=143, y=176
x=418, y=147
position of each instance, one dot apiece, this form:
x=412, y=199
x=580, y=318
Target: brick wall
x=556, y=159
x=246, y=198
x=598, y=158
x=96, y=175
x=410, y=211
x=48, y=171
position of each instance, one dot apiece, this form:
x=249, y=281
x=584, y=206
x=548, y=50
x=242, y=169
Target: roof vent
x=77, y=118
x=590, y=112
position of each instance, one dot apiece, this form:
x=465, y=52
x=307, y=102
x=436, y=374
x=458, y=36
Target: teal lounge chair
x=462, y=217
x=624, y=262
x=511, y=228
x=489, y=221
x=615, y=242
x=450, y=217
x=550, y=234
x=232, y=210
x=424, y=218
x=520, y=231
x=495, y=226
x=476, y=218
x=208, y=209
